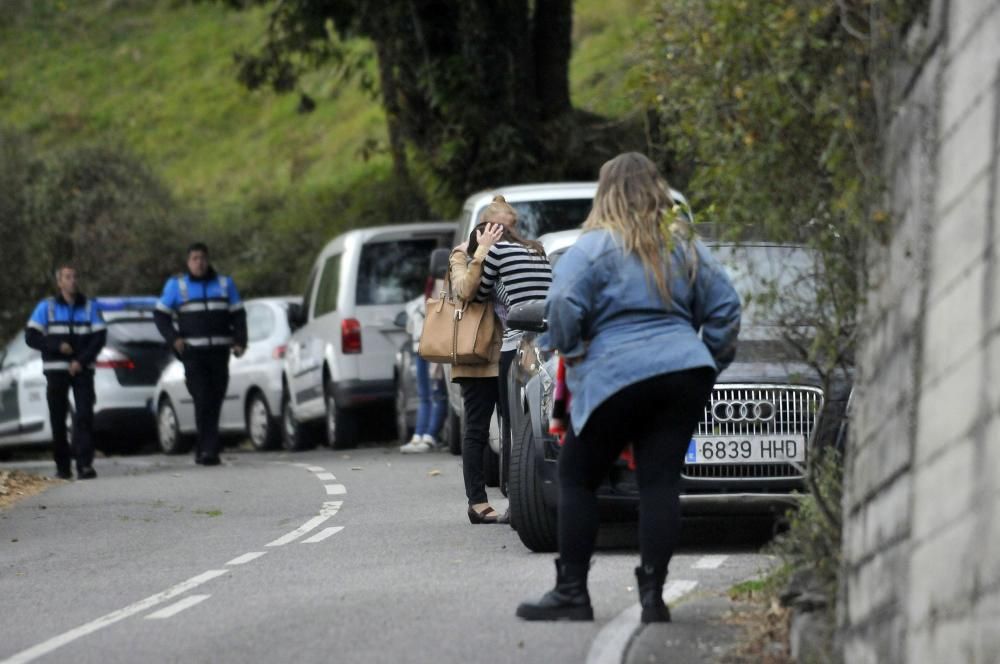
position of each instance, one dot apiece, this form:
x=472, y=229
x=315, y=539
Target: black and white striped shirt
x=514, y=274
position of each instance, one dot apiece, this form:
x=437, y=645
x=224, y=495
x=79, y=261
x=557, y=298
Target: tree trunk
x=553, y=43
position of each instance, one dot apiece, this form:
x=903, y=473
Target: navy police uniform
x=80, y=325
x=208, y=315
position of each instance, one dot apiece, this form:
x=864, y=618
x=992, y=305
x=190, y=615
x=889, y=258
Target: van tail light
x=279, y=352
x=109, y=358
x=350, y=336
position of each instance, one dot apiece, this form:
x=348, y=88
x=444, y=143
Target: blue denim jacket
x=604, y=309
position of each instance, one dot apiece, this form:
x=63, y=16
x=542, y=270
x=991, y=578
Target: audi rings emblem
x=743, y=411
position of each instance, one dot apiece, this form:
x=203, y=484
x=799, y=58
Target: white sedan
x=253, y=398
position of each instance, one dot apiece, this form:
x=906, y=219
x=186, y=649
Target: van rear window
x=393, y=272
x=536, y=218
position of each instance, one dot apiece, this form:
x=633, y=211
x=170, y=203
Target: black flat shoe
x=488, y=515
x=64, y=473
x=87, y=473
x=211, y=461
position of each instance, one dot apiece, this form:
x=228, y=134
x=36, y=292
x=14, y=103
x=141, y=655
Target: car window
x=329, y=286
x=18, y=352
x=536, y=218
x=393, y=272
x=774, y=282
x=260, y=322
x=309, y=289
x=133, y=330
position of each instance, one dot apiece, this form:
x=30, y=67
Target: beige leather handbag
x=457, y=332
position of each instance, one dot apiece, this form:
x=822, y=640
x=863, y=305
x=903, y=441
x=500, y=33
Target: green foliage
x=98, y=207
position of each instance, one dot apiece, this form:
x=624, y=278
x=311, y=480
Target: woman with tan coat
x=479, y=382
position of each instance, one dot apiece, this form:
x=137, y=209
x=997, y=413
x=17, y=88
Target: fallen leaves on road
x=766, y=637
x=434, y=473
x=15, y=485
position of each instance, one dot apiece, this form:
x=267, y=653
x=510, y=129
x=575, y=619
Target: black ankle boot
x=569, y=600
x=651, y=594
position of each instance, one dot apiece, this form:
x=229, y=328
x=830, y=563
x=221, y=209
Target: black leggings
x=658, y=417
x=480, y=397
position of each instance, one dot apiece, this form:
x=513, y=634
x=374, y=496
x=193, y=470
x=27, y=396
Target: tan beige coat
x=465, y=276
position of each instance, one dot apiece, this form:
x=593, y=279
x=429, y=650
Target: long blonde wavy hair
x=633, y=201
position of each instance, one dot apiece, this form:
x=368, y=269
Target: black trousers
x=658, y=416
x=479, y=399
x=206, y=374
x=57, y=395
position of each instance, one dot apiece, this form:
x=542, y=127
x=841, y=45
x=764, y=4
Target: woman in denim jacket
x=626, y=306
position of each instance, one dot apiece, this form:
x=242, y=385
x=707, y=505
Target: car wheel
x=294, y=435
x=168, y=429
x=453, y=424
x=341, y=424
x=261, y=427
x=534, y=521
x=403, y=430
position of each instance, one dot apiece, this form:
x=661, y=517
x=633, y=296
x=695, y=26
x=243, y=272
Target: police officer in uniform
x=69, y=332
x=210, y=322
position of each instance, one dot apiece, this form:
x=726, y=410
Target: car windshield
x=133, y=330
x=393, y=272
x=18, y=352
x=774, y=282
x=536, y=218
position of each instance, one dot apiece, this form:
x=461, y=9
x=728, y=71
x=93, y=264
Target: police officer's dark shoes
x=651, y=593
x=569, y=600
x=86, y=473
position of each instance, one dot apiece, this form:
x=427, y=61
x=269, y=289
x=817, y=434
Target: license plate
x=746, y=449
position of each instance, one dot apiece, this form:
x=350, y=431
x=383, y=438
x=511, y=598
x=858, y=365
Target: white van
x=346, y=334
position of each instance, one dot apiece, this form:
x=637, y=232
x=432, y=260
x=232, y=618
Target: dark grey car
x=768, y=412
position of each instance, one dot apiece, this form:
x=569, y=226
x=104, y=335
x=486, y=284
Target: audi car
x=769, y=411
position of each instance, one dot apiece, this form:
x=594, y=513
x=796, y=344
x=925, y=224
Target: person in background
x=69, y=331
x=211, y=323
x=628, y=300
x=433, y=400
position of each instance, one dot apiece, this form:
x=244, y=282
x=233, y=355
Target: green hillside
x=159, y=76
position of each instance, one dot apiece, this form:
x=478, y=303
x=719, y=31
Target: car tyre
x=263, y=429
x=534, y=521
x=168, y=429
x=294, y=434
x=341, y=424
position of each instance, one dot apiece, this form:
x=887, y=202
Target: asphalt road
x=360, y=556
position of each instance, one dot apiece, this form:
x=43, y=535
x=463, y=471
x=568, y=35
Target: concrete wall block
x=972, y=60
x=883, y=521
x=878, y=641
x=940, y=578
x=964, y=154
x=942, y=641
x=954, y=324
x=872, y=586
x=948, y=407
x=958, y=235
x=943, y=489
x=985, y=635
x=879, y=459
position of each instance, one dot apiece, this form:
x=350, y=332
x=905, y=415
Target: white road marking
x=323, y=534
x=246, y=557
x=335, y=489
x=174, y=609
x=315, y=469
x=326, y=476
x=115, y=616
x=329, y=509
x=609, y=645
x=709, y=562
x=299, y=465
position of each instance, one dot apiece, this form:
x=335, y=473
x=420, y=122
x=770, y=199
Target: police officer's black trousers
x=206, y=373
x=57, y=394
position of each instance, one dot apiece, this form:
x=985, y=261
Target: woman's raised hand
x=490, y=235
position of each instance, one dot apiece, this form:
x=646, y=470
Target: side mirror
x=529, y=317
x=296, y=316
x=400, y=319
x=439, y=263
